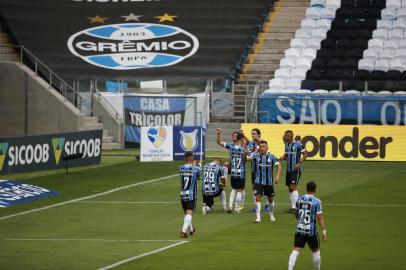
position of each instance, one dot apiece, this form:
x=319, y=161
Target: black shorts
x=237, y=183
x=188, y=205
x=209, y=199
x=264, y=190
x=312, y=241
x=293, y=177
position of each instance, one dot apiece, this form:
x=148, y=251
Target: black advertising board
x=46, y=152
x=135, y=39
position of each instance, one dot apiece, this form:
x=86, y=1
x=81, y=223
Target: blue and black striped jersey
x=237, y=160
x=252, y=146
x=264, y=168
x=308, y=206
x=189, y=174
x=211, y=178
x=293, y=152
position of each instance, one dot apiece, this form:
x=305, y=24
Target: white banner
x=157, y=143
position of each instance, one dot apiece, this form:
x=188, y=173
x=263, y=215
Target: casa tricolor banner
x=135, y=40
x=45, y=152
x=167, y=143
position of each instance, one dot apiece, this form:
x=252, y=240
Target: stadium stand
x=347, y=44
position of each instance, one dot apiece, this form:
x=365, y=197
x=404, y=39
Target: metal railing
x=94, y=89
x=40, y=69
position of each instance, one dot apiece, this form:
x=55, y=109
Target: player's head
x=263, y=147
x=256, y=134
x=288, y=136
x=217, y=160
x=239, y=137
x=298, y=138
x=189, y=157
x=234, y=136
x=311, y=187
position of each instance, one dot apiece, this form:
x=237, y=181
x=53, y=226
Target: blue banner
x=332, y=109
x=188, y=139
x=14, y=192
x=148, y=111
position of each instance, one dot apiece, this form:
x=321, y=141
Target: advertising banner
x=332, y=109
x=339, y=142
x=45, y=152
x=14, y=192
x=156, y=143
x=149, y=111
x=188, y=139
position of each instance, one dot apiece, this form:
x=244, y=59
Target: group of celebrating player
x=307, y=208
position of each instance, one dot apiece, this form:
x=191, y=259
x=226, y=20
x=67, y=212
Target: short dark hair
x=217, y=158
x=289, y=131
x=265, y=142
x=257, y=131
x=311, y=186
x=239, y=136
x=188, y=155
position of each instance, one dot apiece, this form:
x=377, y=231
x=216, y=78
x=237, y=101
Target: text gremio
x=348, y=146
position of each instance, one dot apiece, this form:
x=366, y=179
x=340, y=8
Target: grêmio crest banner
x=135, y=40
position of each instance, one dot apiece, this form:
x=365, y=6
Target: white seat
x=402, y=13
x=375, y=44
x=396, y=34
x=313, y=13
x=302, y=33
x=384, y=93
x=319, y=33
x=305, y=91
x=313, y=43
x=380, y=34
x=276, y=83
x=287, y=63
x=282, y=73
x=388, y=14
x=397, y=64
x=400, y=93
x=308, y=53
x=303, y=62
x=293, y=84
x=308, y=24
x=272, y=90
x=320, y=91
x=292, y=53
x=328, y=13
x=366, y=64
x=399, y=24
x=371, y=54
x=391, y=44
x=402, y=44
x=352, y=92
x=333, y=4
x=318, y=3
x=323, y=24
x=395, y=4
x=384, y=24
x=334, y=92
x=387, y=54
x=401, y=54
x=382, y=65
x=298, y=43
x=299, y=73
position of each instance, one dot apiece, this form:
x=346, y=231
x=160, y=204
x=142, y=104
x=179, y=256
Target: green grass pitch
x=363, y=203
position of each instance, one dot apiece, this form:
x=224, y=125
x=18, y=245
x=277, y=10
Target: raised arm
x=219, y=142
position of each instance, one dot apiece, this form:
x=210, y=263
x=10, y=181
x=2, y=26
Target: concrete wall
x=108, y=118
x=46, y=111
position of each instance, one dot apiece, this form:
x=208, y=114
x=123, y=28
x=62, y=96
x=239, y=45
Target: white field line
x=142, y=255
x=87, y=240
x=89, y=197
x=326, y=204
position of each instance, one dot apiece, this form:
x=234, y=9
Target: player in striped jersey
x=295, y=154
x=307, y=210
x=264, y=162
x=189, y=174
x=213, y=183
x=237, y=160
